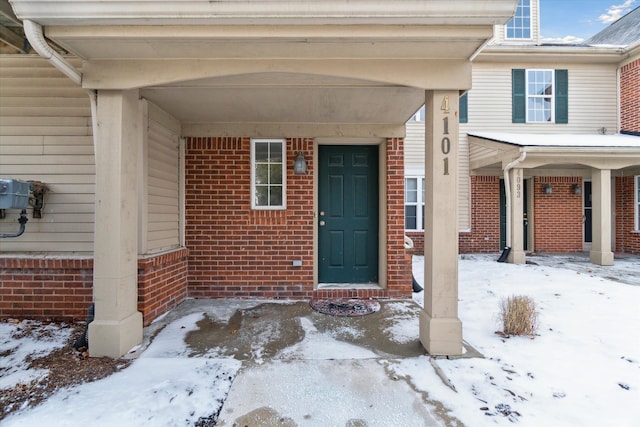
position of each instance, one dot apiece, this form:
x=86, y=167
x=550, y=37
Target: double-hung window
x=520, y=25
x=414, y=203
x=268, y=174
x=637, y=203
x=540, y=96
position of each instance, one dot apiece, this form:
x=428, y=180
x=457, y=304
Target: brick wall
x=162, y=283
x=61, y=289
x=627, y=238
x=558, y=223
x=45, y=288
x=630, y=97
x=235, y=251
x=398, y=263
x=418, y=242
x=485, y=217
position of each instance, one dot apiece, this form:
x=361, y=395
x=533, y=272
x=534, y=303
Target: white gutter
x=36, y=38
x=35, y=35
x=480, y=49
x=507, y=193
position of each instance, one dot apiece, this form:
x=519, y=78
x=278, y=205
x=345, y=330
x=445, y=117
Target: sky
x=575, y=20
x=582, y=368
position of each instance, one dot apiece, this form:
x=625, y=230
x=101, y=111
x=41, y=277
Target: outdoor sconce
x=576, y=189
x=547, y=188
x=300, y=165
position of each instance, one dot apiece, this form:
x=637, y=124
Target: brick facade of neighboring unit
x=235, y=251
x=558, y=217
x=484, y=235
x=627, y=237
x=630, y=97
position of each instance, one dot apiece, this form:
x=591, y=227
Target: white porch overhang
x=594, y=156
x=549, y=154
x=322, y=68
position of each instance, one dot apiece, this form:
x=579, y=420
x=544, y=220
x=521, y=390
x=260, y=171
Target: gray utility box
x=14, y=194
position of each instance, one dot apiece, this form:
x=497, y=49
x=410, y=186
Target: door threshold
x=349, y=286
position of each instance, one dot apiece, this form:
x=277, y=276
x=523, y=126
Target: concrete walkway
x=303, y=368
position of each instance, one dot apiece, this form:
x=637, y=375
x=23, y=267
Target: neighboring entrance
x=587, y=216
x=348, y=214
x=503, y=216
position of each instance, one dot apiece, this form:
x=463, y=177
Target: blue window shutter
x=464, y=109
x=562, y=96
x=518, y=96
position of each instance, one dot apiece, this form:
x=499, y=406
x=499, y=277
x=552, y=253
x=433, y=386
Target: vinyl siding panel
x=162, y=181
x=46, y=135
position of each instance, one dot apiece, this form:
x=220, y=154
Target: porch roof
x=275, y=67
x=553, y=153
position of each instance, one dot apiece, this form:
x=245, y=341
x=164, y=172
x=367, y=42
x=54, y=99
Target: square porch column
x=601, y=253
x=516, y=181
x=117, y=326
x=440, y=328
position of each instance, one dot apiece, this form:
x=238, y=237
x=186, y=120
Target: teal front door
x=348, y=214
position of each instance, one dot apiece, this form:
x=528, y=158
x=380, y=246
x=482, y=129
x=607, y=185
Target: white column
x=440, y=328
x=601, y=207
x=118, y=325
x=516, y=180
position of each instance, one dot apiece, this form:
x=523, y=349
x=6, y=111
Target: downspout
x=35, y=35
x=36, y=38
x=507, y=193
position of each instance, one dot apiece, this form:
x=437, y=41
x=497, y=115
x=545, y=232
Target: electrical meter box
x=14, y=194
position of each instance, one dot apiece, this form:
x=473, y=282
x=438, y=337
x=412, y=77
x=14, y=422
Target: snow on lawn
x=16, y=348
x=163, y=387
x=582, y=368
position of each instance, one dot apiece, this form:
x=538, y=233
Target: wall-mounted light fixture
x=576, y=189
x=300, y=165
x=547, y=188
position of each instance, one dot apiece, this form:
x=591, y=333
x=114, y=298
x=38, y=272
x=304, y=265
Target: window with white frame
x=637, y=203
x=418, y=116
x=414, y=203
x=540, y=96
x=519, y=27
x=268, y=173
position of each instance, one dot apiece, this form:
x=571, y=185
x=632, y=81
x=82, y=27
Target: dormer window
x=520, y=25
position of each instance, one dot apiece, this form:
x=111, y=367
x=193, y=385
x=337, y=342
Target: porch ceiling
x=286, y=98
x=554, y=153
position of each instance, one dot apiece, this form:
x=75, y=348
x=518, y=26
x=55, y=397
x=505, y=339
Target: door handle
x=322, y=223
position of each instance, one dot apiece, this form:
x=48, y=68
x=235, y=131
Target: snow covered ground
x=582, y=369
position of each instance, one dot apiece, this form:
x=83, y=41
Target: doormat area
x=345, y=307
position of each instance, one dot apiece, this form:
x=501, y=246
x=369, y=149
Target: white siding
x=414, y=147
x=45, y=135
x=163, y=181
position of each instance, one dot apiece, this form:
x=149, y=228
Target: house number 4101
x=445, y=144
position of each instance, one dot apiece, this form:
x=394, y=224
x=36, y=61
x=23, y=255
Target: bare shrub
x=518, y=315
